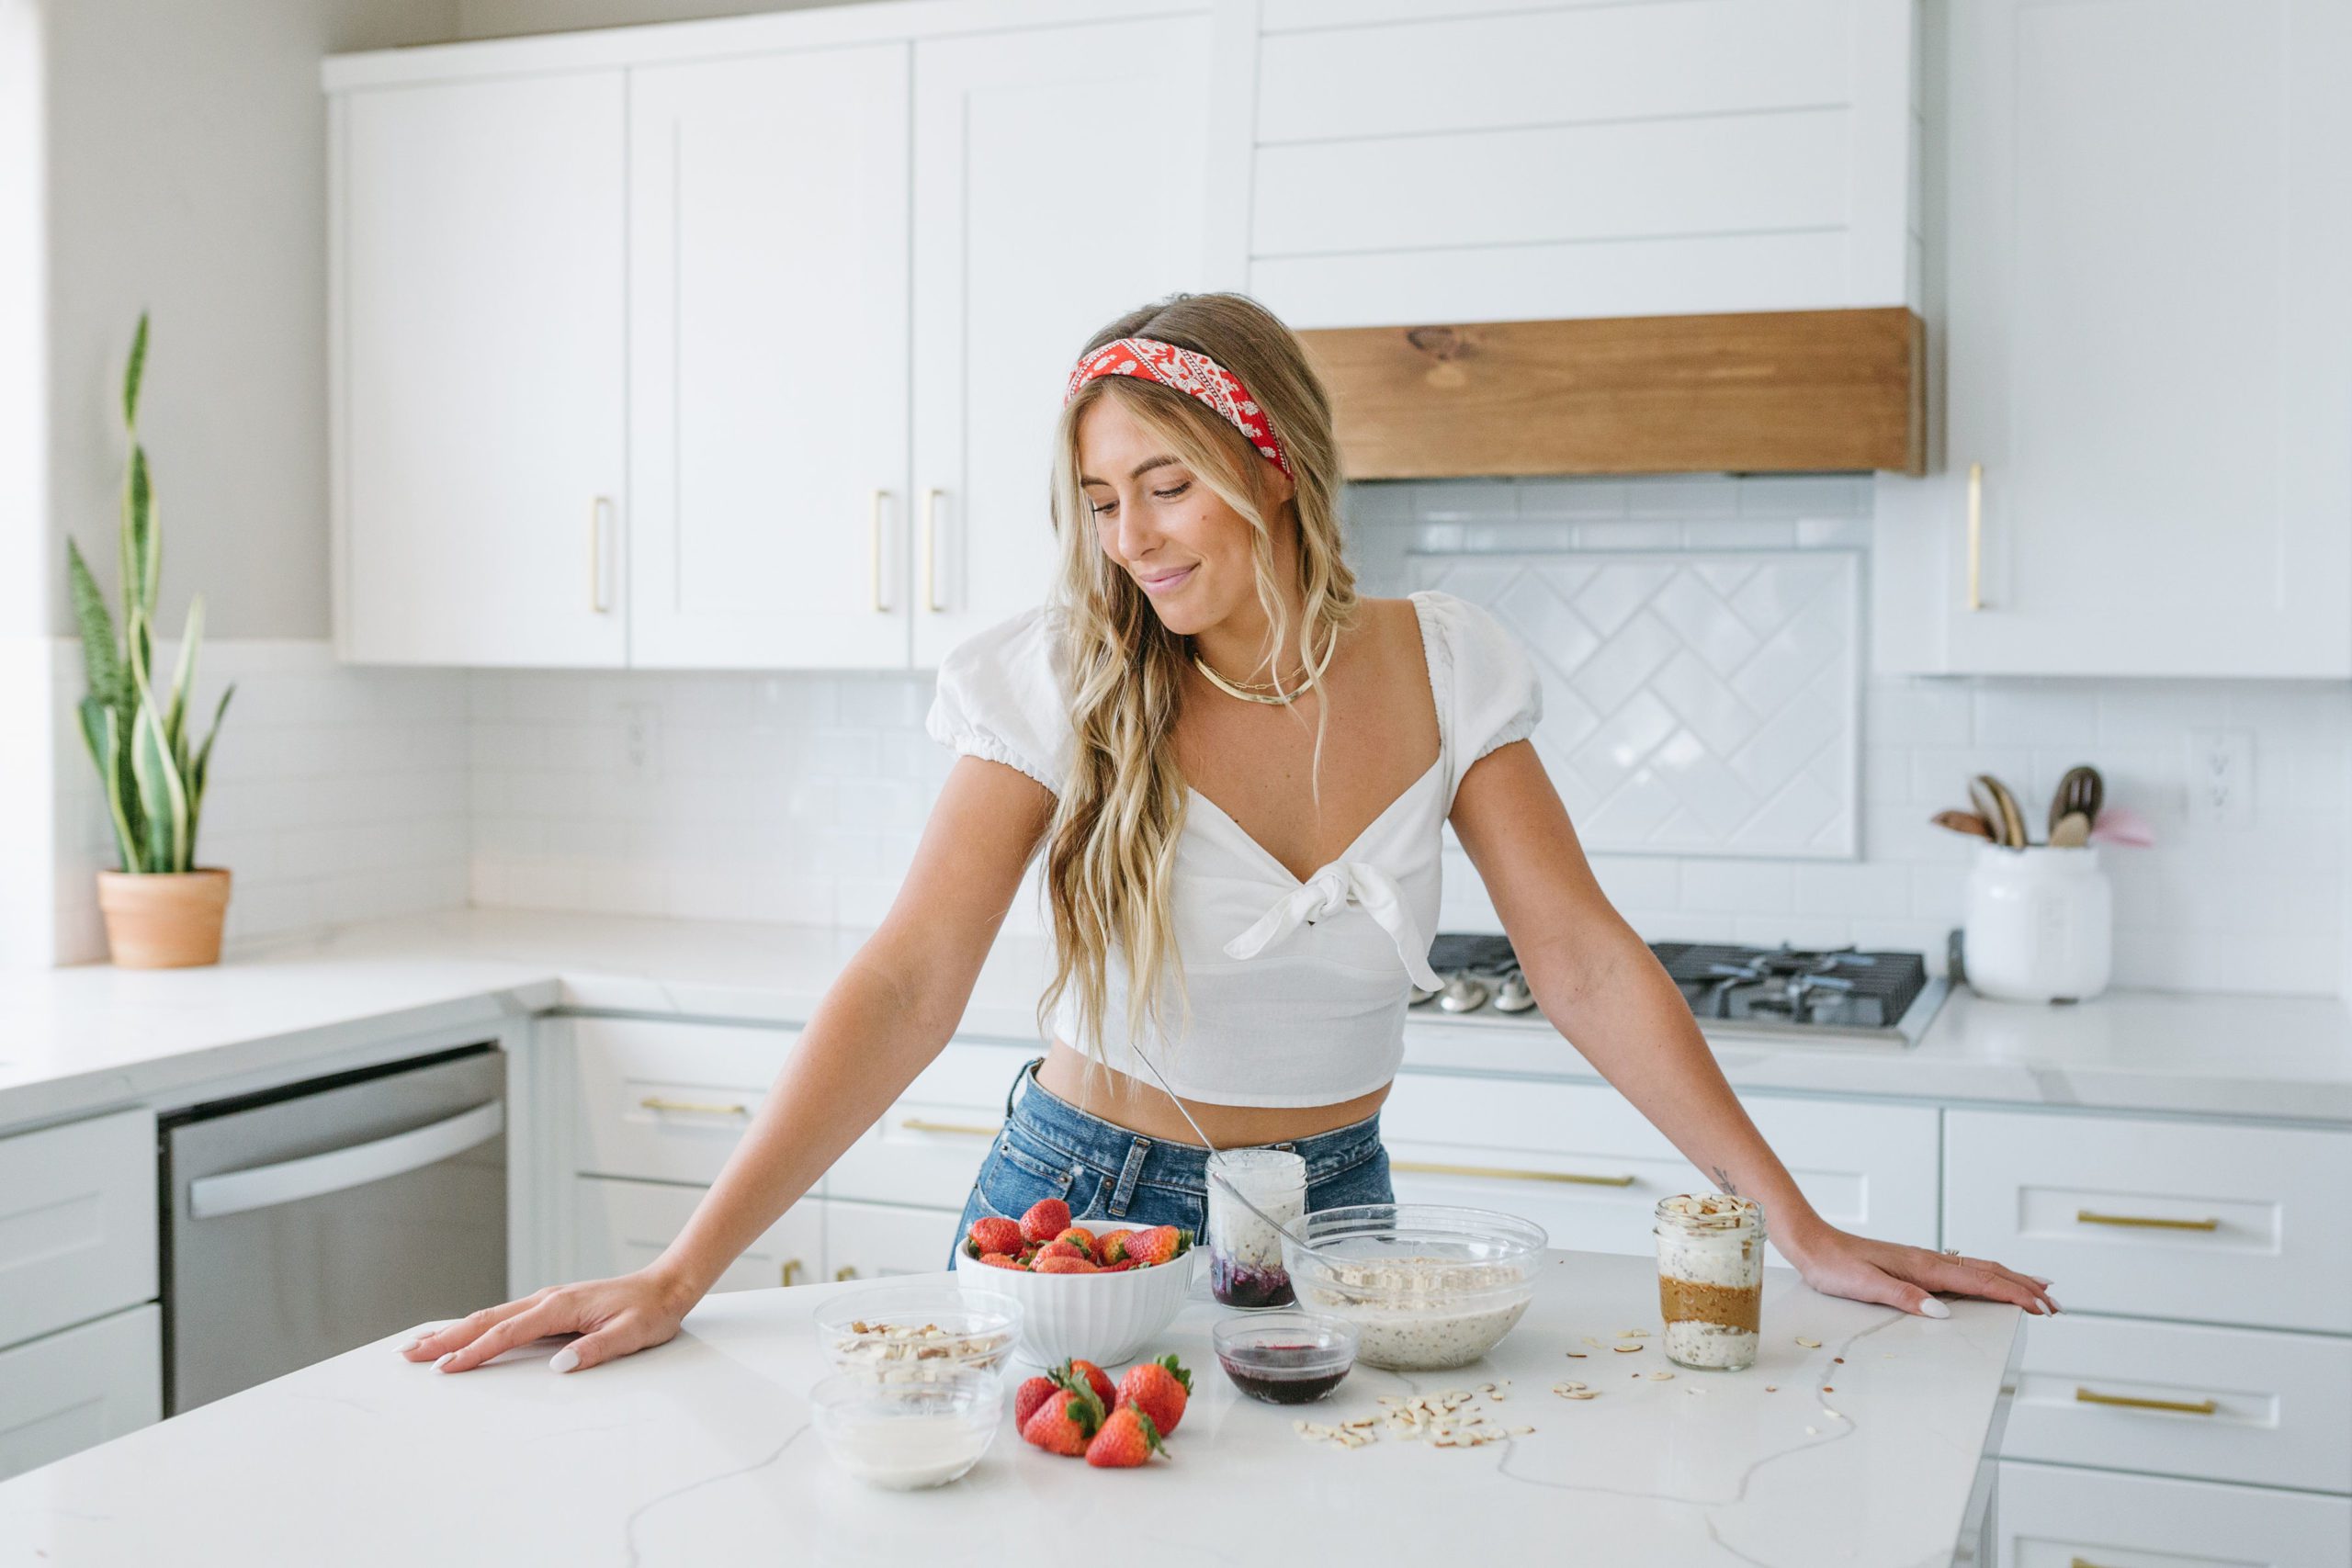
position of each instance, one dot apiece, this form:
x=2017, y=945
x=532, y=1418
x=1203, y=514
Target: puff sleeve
x=1001, y=697
x=1491, y=692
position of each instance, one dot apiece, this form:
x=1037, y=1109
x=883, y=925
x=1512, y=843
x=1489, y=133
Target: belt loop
x=1129, y=1174
x=1027, y=1067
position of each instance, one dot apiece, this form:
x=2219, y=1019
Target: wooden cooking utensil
x=2080, y=789
x=2071, y=831
x=2005, y=818
x=1966, y=822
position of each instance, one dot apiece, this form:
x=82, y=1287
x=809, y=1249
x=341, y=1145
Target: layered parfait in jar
x=1710, y=1278
x=1245, y=1252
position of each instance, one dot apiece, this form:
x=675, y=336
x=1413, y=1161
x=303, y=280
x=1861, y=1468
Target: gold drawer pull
x=2084, y=1562
x=2130, y=1401
x=970, y=1129
x=655, y=1102
x=790, y=1271
x=1506, y=1173
x=846, y=1271
x=2093, y=1217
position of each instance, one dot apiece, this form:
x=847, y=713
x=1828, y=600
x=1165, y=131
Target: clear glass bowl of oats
x=915, y=1333
x=1426, y=1286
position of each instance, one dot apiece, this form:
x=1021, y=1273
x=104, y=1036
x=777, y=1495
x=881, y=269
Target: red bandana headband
x=1150, y=359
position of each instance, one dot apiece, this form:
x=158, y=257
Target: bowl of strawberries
x=1084, y=1295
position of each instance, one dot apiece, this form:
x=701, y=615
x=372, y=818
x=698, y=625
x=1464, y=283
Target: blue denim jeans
x=1050, y=1148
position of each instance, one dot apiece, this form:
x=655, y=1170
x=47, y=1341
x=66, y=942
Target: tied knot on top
x=1325, y=894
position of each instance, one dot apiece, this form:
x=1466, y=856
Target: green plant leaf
x=201, y=768
x=142, y=545
x=132, y=373
x=101, y=659
x=162, y=792
x=184, y=678
x=103, y=735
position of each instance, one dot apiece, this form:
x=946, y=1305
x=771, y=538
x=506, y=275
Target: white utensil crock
x=2040, y=924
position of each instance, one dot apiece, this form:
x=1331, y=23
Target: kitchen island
x=1866, y=1449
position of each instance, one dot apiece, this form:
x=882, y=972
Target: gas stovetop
x=1805, y=993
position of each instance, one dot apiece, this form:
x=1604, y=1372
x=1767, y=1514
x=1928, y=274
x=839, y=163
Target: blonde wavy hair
x=1111, y=844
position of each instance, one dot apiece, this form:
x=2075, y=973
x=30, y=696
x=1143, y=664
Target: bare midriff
x=1142, y=1108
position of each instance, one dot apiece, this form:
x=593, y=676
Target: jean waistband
x=1120, y=1152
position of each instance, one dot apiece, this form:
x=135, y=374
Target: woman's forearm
x=1625, y=1017
x=872, y=1033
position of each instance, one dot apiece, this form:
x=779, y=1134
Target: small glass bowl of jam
x=1285, y=1358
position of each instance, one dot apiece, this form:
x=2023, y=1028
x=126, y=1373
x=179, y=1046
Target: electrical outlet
x=2221, y=777
x=641, y=740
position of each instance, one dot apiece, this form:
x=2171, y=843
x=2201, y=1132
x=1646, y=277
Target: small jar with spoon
x=2040, y=918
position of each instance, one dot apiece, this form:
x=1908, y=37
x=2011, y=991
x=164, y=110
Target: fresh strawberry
x=1064, y=1423
x=1062, y=1249
x=1078, y=1235
x=993, y=1232
x=1126, y=1440
x=1029, y=1396
x=1078, y=1373
x=1112, y=1245
x=1158, y=1245
x=1066, y=1263
x=1121, y=1266
x=1158, y=1388
x=1046, y=1219
x=1000, y=1260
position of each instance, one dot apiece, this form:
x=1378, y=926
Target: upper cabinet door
x=768, y=375
x=1045, y=206
x=2148, y=234
x=479, y=352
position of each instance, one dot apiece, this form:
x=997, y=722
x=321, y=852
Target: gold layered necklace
x=1264, y=690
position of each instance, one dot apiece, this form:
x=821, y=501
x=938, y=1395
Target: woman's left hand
x=1837, y=1263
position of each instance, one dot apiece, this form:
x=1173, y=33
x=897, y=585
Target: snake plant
x=138, y=738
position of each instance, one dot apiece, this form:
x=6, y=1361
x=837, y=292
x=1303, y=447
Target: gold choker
x=1263, y=690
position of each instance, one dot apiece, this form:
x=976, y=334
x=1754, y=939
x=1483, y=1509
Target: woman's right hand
x=613, y=1317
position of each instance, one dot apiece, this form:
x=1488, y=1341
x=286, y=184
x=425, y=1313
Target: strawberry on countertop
x=1126, y=1440
x=1158, y=1388
x=1064, y=1424
x=1076, y=1373
x=1029, y=1396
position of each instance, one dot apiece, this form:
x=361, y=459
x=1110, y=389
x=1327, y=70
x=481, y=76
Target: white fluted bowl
x=1105, y=1318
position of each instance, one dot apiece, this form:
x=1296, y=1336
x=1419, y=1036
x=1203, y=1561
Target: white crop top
x=1297, y=988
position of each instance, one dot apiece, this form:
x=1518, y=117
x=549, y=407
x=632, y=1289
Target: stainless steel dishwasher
x=302, y=1221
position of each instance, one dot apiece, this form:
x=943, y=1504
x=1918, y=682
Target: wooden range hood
x=1758, y=392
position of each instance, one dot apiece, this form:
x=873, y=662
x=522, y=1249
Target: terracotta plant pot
x=164, y=919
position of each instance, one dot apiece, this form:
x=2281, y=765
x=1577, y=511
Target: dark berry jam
x=1249, y=1286
x=1284, y=1374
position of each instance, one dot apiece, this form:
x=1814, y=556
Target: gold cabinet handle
x=873, y=532
x=1506, y=1173
x=931, y=551
x=655, y=1102
x=2130, y=1401
x=845, y=1271
x=1975, y=537
x=2084, y=1562
x=970, y=1129
x=2147, y=1221
x=597, y=510
x=790, y=1272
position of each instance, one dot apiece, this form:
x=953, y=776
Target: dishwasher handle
x=291, y=1182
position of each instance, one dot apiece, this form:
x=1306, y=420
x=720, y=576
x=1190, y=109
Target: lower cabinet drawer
x=2181, y=1399
x=876, y=1241
x=79, y=1387
x=2052, y=1517
x=668, y=1101
x=77, y=1222
x=928, y=1148
x=1580, y=1161
x=2152, y=1218
x=619, y=1226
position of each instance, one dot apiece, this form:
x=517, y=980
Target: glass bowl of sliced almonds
x=917, y=1333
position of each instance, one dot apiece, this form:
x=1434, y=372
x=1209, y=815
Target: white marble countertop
x=699, y=1452
x=78, y=1038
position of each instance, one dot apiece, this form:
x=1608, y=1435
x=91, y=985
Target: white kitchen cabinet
x=2046, y=1516
x=667, y=1099
x=79, y=1387
x=1045, y=206
x=876, y=1241
x=2147, y=237
x=77, y=1222
x=1416, y=163
x=478, y=378
x=768, y=367
x=619, y=1226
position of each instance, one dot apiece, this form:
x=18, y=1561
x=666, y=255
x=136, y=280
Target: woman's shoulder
x=1484, y=677
x=1002, y=695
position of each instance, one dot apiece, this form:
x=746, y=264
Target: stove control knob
x=1514, y=995
x=1463, y=994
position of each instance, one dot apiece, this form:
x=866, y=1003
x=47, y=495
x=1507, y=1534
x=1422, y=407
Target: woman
x=1237, y=770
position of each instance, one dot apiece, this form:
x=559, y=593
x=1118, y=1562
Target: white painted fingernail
x=2038, y=1280
x=1934, y=1308
x=442, y=1365
x=415, y=1343
x=563, y=1360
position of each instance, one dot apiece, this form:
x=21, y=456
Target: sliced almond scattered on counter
x=1624, y=1350
x=1809, y=1344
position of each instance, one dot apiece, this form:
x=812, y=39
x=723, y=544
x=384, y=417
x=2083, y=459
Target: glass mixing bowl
x=1425, y=1285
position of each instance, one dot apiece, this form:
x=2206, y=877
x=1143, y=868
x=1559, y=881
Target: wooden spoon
x=2071, y=831
x=2004, y=817
x=1966, y=822
x=2080, y=789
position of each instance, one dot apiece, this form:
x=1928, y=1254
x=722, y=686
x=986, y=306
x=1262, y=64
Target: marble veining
x=697, y=1452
